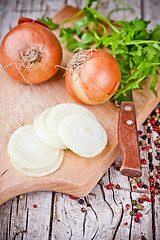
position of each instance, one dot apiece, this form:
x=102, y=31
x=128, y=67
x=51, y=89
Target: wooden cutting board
x=20, y=103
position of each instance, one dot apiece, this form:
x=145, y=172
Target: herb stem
x=72, y=18
x=141, y=42
x=102, y=18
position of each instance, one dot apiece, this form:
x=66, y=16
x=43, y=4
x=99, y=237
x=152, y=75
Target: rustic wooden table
x=104, y=213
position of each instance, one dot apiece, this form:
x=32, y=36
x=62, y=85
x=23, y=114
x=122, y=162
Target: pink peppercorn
x=34, y=206
x=134, y=187
x=144, y=148
x=139, y=185
x=143, y=161
x=109, y=186
x=144, y=197
x=125, y=223
x=152, y=189
x=152, y=194
x=136, y=219
x=151, y=180
x=139, y=132
x=139, y=215
x=128, y=206
x=83, y=209
x=72, y=197
x=153, y=122
x=158, y=176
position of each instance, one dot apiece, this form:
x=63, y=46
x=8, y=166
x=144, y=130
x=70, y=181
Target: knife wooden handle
x=128, y=141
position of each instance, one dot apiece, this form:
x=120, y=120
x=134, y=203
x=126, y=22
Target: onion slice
x=30, y=156
x=47, y=135
x=83, y=135
x=60, y=111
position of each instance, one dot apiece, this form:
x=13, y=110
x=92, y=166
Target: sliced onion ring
x=47, y=135
x=30, y=156
x=58, y=112
x=83, y=135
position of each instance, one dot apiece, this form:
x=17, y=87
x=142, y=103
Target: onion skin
x=97, y=79
x=31, y=35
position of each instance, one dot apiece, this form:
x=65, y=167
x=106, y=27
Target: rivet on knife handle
x=128, y=141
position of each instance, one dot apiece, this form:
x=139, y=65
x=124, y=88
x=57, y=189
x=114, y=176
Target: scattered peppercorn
x=151, y=180
x=140, y=200
x=135, y=210
x=152, y=189
x=156, y=191
x=139, y=214
x=153, y=122
x=128, y=206
x=72, y=197
x=144, y=137
x=134, y=202
x=101, y=182
x=143, y=161
x=132, y=213
x=125, y=223
x=136, y=219
x=139, y=185
x=109, y=186
x=81, y=201
x=157, y=185
x=144, y=186
x=137, y=180
x=140, y=207
x=144, y=197
x=34, y=206
x=83, y=209
x=117, y=186
x=152, y=194
x=21, y=197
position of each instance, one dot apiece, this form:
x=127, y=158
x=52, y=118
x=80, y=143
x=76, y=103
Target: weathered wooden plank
x=27, y=218
x=150, y=12
x=97, y=222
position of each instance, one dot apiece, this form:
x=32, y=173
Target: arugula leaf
x=49, y=22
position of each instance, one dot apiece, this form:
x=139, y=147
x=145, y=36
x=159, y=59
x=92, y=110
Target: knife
x=128, y=139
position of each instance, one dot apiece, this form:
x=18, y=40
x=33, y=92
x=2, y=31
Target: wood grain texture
x=77, y=175
x=19, y=226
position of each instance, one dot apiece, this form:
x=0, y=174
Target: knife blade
x=128, y=138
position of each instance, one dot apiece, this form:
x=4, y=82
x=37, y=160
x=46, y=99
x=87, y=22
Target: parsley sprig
x=136, y=49
x=49, y=22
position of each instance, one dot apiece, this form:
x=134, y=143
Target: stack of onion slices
x=37, y=150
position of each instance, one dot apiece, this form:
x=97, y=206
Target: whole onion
x=92, y=76
x=30, y=52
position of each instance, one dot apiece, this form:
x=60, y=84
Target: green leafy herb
x=49, y=22
x=137, y=50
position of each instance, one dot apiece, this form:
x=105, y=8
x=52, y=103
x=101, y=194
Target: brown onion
x=30, y=52
x=92, y=76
